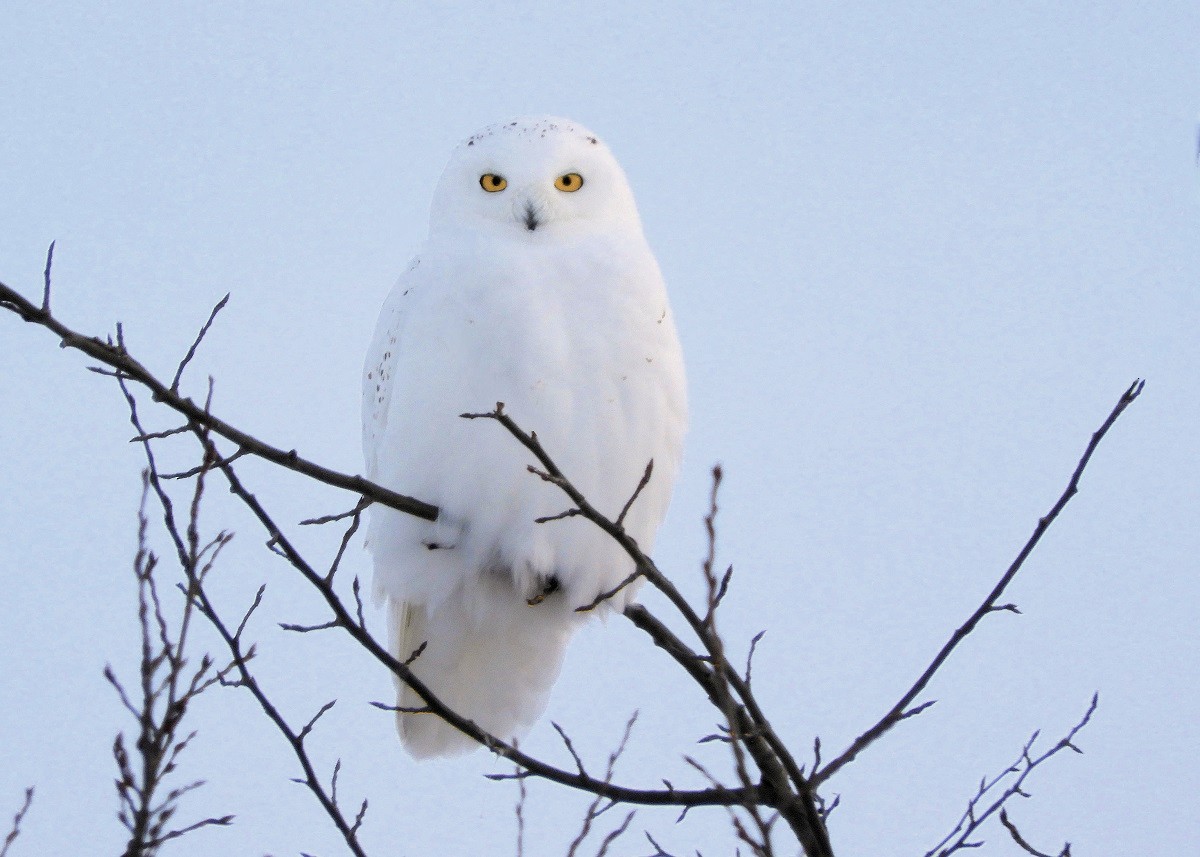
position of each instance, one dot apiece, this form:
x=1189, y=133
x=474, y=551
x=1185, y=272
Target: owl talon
x=548, y=589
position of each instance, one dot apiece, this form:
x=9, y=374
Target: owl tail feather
x=496, y=670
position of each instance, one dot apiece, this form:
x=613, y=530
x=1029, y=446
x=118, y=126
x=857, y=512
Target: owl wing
x=380, y=369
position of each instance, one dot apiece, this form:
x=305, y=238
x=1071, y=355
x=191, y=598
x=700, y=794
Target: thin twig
x=202, y=468
x=304, y=629
x=46, y=279
x=734, y=719
x=570, y=747
x=615, y=833
x=750, y=655
x=642, y=483
x=594, y=810
x=355, y=523
x=15, y=830
x=561, y=516
x=191, y=352
x=362, y=504
x=1022, y=843
x=159, y=435
x=607, y=594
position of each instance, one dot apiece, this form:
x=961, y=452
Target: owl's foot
x=548, y=588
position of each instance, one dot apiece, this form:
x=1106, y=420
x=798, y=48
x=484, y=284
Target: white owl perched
x=535, y=288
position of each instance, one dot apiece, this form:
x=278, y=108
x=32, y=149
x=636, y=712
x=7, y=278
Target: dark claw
x=548, y=588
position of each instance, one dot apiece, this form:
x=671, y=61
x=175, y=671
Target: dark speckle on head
x=532, y=129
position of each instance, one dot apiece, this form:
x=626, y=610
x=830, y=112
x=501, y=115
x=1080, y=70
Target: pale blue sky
x=915, y=256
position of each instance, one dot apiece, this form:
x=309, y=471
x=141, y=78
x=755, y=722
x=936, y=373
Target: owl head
x=533, y=179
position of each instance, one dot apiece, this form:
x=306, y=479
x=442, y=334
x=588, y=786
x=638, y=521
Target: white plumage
x=535, y=288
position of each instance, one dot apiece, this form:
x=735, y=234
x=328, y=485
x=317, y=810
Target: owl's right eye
x=493, y=183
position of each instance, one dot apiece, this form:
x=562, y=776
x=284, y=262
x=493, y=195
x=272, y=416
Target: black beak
x=530, y=219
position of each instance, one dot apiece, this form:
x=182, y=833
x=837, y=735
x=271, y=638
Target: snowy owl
x=535, y=288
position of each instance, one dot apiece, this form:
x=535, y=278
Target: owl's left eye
x=569, y=182
x=493, y=183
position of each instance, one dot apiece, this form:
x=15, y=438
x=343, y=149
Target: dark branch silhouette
x=993, y=794
x=15, y=830
x=769, y=784
x=352, y=624
x=166, y=690
x=195, y=575
x=115, y=355
x=1023, y=844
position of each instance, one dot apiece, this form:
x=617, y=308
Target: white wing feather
x=380, y=369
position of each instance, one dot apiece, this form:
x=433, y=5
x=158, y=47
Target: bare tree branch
x=899, y=711
x=778, y=784
x=344, y=620
x=186, y=549
x=126, y=367
x=167, y=690
x=382, y=655
x=734, y=718
x=594, y=811
x=1011, y=783
x=791, y=791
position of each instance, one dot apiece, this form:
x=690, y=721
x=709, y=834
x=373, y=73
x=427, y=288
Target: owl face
x=533, y=180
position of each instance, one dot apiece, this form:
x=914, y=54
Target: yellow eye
x=570, y=182
x=493, y=183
